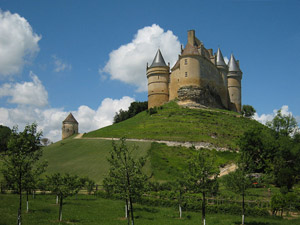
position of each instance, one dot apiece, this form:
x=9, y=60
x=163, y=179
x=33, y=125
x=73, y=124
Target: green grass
x=85, y=157
x=219, y=127
x=89, y=210
x=169, y=163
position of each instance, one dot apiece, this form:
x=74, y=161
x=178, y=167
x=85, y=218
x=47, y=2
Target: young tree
x=239, y=181
x=63, y=186
x=201, y=176
x=20, y=162
x=248, y=111
x=179, y=188
x=125, y=175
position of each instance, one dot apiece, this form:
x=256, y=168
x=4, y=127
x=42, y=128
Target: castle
x=198, y=78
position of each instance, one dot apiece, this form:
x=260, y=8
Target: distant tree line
x=134, y=108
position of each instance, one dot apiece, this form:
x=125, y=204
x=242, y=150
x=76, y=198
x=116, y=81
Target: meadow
x=90, y=210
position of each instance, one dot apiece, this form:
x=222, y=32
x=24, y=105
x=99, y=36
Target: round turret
x=223, y=69
x=69, y=126
x=158, y=81
x=234, y=78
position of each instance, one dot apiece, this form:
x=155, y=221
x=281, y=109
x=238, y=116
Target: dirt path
x=197, y=145
x=227, y=169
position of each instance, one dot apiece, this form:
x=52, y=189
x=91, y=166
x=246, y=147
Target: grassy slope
x=91, y=210
x=84, y=157
x=175, y=123
x=169, y=163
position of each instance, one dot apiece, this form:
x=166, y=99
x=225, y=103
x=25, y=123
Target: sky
x=89, y=57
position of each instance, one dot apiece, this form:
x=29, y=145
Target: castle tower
x=158, y=81
x=234, y=85
x=69, y=126
x=223, y=69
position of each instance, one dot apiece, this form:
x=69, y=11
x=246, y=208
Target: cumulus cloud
x=59, y=65
x=18, y=43
x=128, y=62
x=264, y=118
x=50, y=120
x=26, y=93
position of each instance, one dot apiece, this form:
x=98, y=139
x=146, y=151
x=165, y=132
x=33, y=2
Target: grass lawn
x=89, y=210
x=85, y=157
x=219, y=127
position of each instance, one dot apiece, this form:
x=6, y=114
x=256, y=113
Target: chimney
x=191, y=37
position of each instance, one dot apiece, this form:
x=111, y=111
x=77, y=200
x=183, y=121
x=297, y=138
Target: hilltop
x=172, y=122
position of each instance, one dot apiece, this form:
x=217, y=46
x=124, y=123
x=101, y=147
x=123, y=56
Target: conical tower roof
x=220, y=60
x=70, y=118
x=158, y=60
x=232, y=65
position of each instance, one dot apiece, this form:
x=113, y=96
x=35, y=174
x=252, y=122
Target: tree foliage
x=21, y=164
x=248, y=111
x=134, y=108
x=283, y=124
x=125, y=174
x=63, y=186
x=5, y=133
x=201, y=176
x=275, y=151
x=258, y=145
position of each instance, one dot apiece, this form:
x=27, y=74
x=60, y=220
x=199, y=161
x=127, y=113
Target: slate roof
x=158, y=60
x=70, y=118
x=220, y=60
x=232, y=65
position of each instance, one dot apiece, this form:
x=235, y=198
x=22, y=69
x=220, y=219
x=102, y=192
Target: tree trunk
x=243, y=209
x=27, y=203
x=131, y=210
x=180, y=211
x=127, y=211
x=56, y=199
x=203, y=208
x=60, y=208
x=20, y=199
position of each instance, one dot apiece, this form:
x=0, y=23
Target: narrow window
x=185, y=74
x=185, y=62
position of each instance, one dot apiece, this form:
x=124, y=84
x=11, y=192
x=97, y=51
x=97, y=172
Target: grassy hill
x=84, y=157
x=88, y=156
x=174, y=123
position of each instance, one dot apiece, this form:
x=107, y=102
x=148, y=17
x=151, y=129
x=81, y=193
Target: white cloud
x=27, y=93
x=18, y=43
x=50, y=120
x=128, y=62
x=264, y=118
x=59, y=65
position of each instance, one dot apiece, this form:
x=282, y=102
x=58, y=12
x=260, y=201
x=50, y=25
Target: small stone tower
x=158, y=79
x=223, y=69
x=234, y=77
x=69, y=126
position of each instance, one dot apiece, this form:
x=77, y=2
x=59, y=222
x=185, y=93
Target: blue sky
x=89, y=57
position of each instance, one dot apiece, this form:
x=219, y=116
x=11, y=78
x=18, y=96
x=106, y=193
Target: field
x=89, y=210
